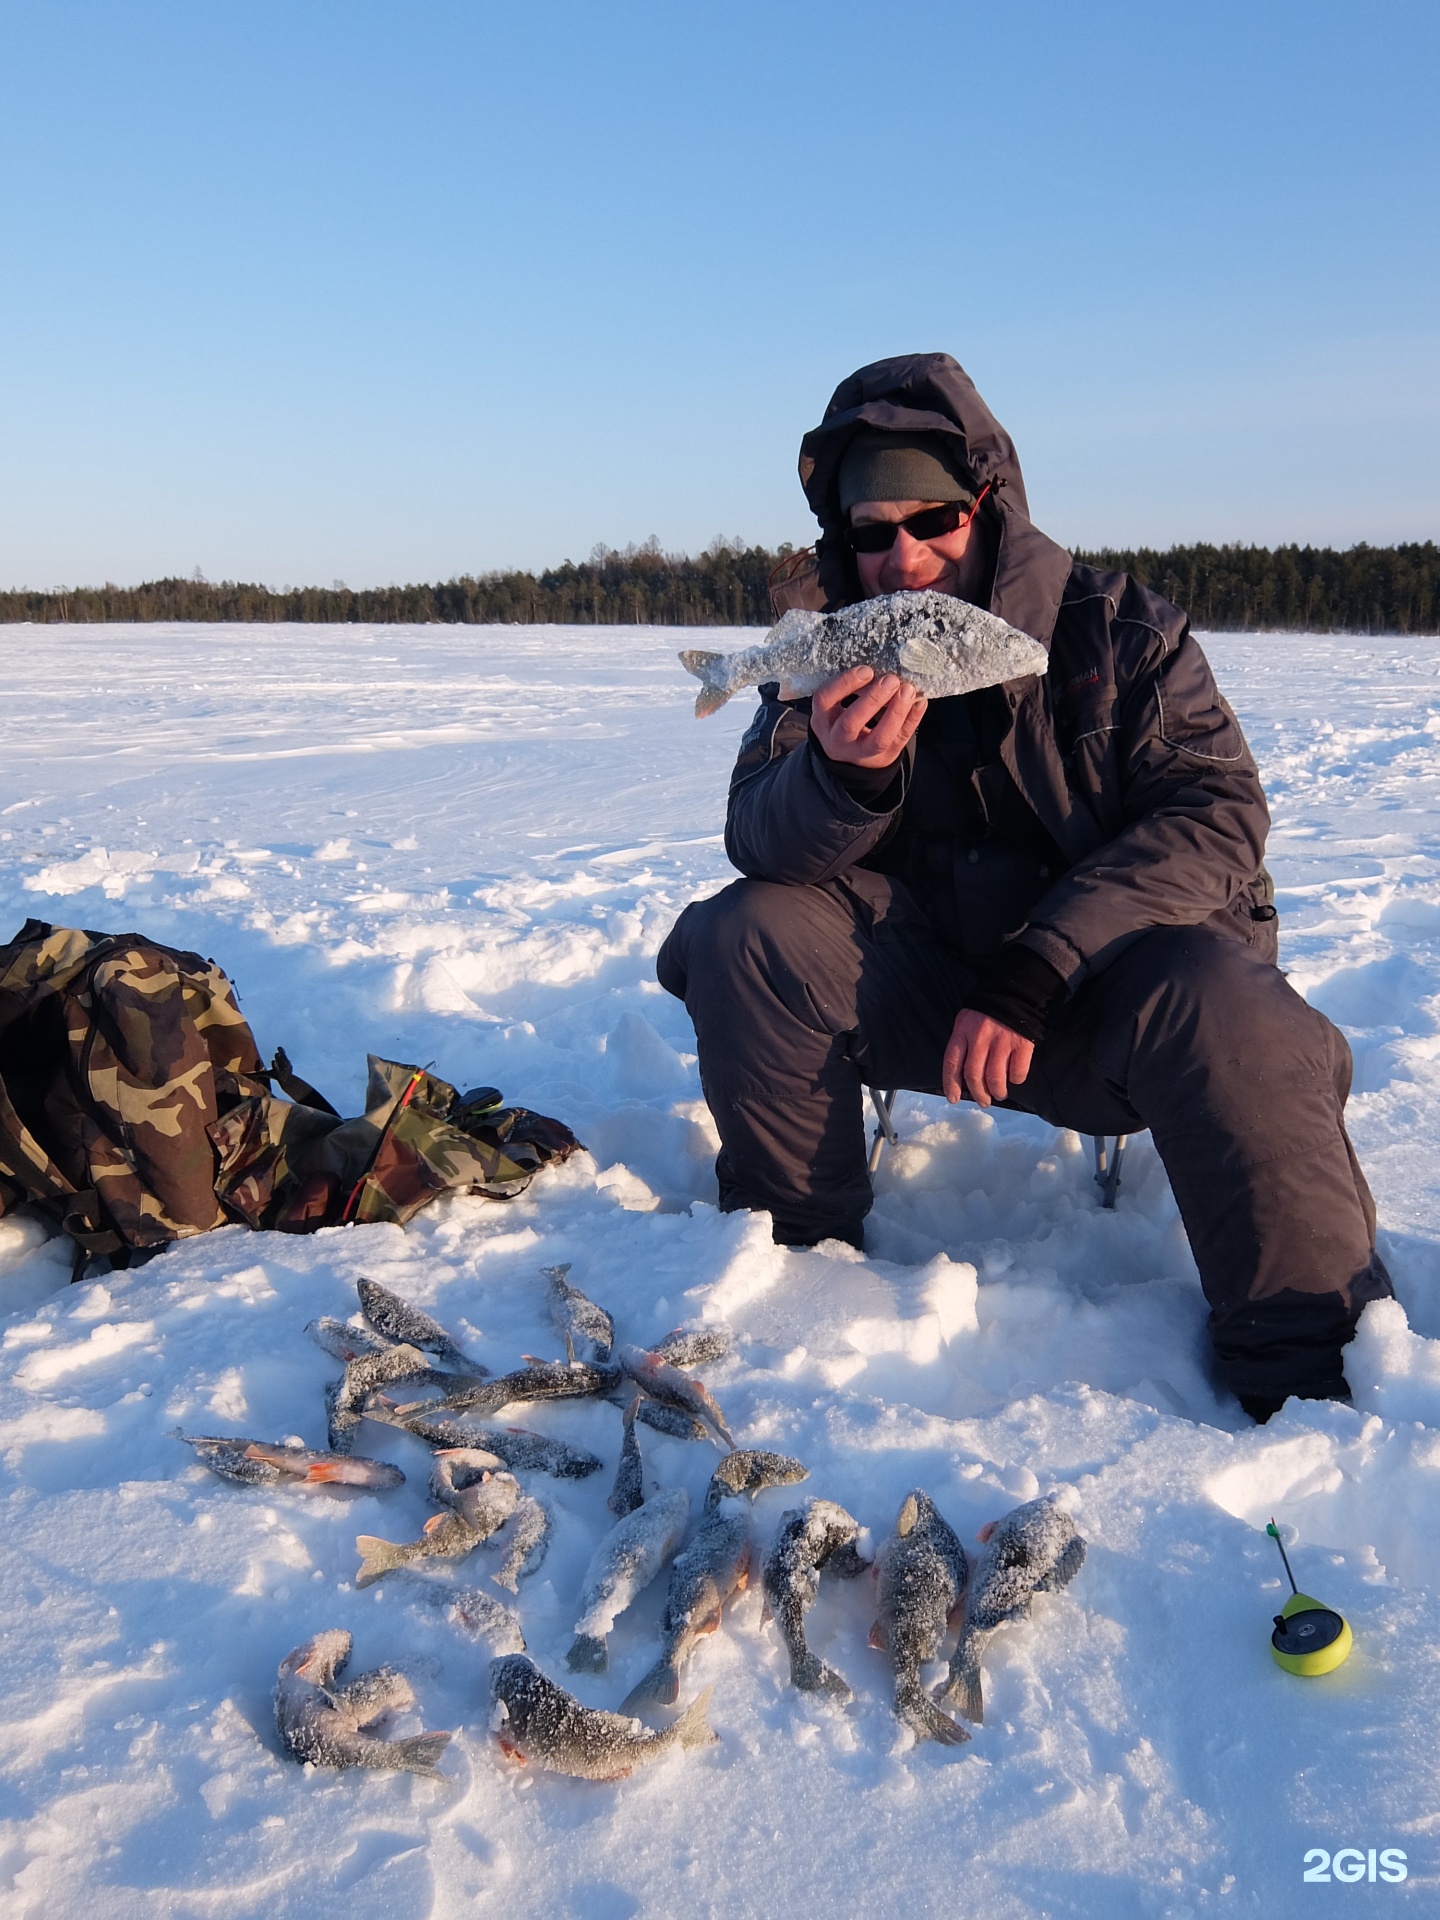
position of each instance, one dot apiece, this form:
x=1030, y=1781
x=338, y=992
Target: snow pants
x=803, y=996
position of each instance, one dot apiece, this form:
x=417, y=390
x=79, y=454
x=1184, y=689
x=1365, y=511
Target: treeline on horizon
x=1362, y=589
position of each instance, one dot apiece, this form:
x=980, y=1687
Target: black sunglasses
x=931, y=523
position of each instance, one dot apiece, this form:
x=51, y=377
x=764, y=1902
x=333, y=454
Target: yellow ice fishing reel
x=1309, y=1638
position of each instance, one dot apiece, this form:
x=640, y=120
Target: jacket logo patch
x=1090, y=679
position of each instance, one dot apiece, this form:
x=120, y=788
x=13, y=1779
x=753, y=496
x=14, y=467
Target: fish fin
x=420, y=1753
x=711, y=1625
x=510, y=1750
x=956, y=1613
x=742, y=1577
x=985, y=1532
x=692, y=1729
x=326, y=1470
x=1066, y=1567
x=879, y=1639
x=588, y=1654
x=920, y=1713
x=909, y=1514
x=436, y=1520
x=661, y=1685
x=709, y=670
x=962, y=1689
x=812, y=1675
x=376, y=1557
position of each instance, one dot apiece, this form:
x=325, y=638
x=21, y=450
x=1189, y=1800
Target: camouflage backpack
x=134, y=1109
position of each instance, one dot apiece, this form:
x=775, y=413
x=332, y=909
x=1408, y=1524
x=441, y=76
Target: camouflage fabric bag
x=296, y=1165
x=117, y=1055
x=134, y=1109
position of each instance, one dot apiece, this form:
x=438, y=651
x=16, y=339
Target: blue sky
x=339, y=289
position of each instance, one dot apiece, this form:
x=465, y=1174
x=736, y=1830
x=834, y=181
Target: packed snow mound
x=465, y=846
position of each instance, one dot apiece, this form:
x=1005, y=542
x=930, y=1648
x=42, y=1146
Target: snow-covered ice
x=465, y=845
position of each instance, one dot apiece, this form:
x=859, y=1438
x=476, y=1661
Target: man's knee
x=746, y=928
x=1205, y=994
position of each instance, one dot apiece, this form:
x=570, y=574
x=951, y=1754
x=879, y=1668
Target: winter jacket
x=1125, y=750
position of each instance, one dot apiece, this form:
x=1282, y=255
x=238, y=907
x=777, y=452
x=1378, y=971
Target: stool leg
x=1107, y=1166
x=885, y=1133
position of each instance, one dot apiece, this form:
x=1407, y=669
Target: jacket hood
x=931, y=393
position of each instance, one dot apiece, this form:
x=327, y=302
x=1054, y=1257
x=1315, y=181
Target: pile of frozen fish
x=403, y=1369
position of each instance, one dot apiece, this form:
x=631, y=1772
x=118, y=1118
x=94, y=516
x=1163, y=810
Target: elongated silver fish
x=1034, y=1549
x=538, y=1380
x=538, y=1723
x=941, y=645
x=520, y=1449
x=576, y=1315
x=921, y=1580
x=819, y=1534
x=672, y=1421
x=525, y=1541
x=258, y=1463
x=445, y=1536
x=694, y=1346
x=629, y=1489
x=622, y=1566
x=327, y=1725
x=674, y=1389
x=397, y=1320
x=713, y=1566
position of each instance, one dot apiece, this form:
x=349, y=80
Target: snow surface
x=465, y=845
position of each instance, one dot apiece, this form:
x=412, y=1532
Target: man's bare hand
x=988, y=1057
x=874, y=730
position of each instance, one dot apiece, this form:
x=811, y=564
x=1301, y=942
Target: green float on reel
x=1309, y=1638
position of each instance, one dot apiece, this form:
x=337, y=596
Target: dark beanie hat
x=902, y=466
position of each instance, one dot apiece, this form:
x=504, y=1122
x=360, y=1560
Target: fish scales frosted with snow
x=458, y=1476
x=526, y=1541
x=577, y=1316
x=344, y=1342
x=674, y=1422
x=628, y=1491
x=521, y=1450
x=818, y=1535
x=345, y=1400
x=445, y=1536
x=674, y=1389
x=326, y=1725
x=475, y=1612
x=622, y=1566
x=1034, y=1549
x=921, y=1572
x=397, y=1320
x=538, y=1723
x=941, y=645
x=694, y=1346
x=712, y=1567
x=259, y=1463
x=539, y=1380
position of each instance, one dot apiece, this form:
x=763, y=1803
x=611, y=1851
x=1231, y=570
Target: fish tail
x=420, y=1753
x=588, y=1654
x=709, y=670
x=810, y=1673
x=962, y=1689
x=377, y=1557
x=692, y=1729
x=661, y=1686
x=920, y=1713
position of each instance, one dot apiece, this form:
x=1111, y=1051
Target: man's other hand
x=875, y=728
x=989, y=1058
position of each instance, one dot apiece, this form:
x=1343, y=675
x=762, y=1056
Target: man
x=1048, y=894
